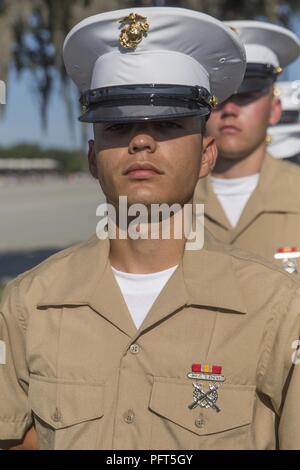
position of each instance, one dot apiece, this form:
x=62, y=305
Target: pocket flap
x=170, y=398
x=62, y=404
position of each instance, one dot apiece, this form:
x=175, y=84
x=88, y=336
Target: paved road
x=14, y=263
x=40, y=218
x=48, y=214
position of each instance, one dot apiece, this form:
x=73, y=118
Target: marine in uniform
x=252, y=200
x=145, y=344
x=285, y=136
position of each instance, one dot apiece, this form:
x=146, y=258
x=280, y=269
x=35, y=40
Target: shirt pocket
x=175, y=426
x=67, y=415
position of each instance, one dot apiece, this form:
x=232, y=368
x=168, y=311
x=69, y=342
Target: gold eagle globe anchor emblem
x=133, y=33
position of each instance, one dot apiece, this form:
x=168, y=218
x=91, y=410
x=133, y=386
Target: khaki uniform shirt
x=271, y=218
x=79, y=370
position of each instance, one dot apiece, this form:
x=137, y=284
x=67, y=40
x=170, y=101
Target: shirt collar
x=205, y=278
x=276, y=192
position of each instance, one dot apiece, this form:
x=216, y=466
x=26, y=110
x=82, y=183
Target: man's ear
x=276, y=110
x=92, y=159
x=209, y=156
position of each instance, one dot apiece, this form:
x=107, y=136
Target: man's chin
x=146, y=201
x=232, y=154
x=145, y=197
x=231, y=149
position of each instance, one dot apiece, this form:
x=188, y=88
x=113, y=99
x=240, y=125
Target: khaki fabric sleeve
x=280, y=375
x=15, y=416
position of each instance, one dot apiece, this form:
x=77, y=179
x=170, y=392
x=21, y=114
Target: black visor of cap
x=127, y=103
x=258, y=77
x=290, y=116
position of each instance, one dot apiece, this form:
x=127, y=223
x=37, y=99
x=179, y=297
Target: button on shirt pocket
x=67, y=415
x=179, y=427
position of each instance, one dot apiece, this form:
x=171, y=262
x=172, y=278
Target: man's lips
x=142, y=171
x=229, y=129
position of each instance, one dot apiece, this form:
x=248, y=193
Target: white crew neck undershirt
x=141, y=290
x=233, y=194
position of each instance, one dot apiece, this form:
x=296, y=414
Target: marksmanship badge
x=208, y=398
x=288, y=257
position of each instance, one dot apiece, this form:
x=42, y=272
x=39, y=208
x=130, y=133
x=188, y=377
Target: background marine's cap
x=152, y=63
x=285, y=135
x=269, y=49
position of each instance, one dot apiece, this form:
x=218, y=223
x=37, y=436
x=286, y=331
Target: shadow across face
x=120, y=134
x=244, y=99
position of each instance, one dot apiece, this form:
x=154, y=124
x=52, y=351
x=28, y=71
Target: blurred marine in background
x=285, y=136
x=252, y=201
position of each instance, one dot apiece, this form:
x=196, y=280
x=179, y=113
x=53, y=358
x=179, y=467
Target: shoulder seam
x=260, y=261
x=59, y=255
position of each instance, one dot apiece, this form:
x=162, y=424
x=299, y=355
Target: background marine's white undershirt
x=234, y=194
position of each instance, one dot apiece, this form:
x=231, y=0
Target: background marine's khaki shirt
x=271, y=218
x=77, y=367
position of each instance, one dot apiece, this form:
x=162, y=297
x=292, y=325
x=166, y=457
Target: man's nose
x=142, y=142
x=229, y=108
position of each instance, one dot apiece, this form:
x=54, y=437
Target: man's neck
x=247, y=166
x=145, y=256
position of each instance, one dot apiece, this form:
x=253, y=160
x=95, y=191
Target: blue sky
x=21, y=121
